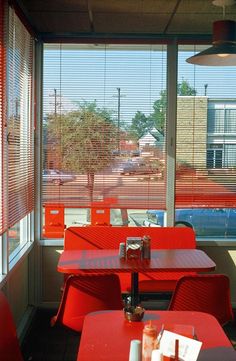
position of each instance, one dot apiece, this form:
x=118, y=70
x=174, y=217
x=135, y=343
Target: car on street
x=205, y=221
x=57, y=177
x=138, y=166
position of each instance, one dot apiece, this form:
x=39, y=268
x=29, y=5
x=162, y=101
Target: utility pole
x=118, y=96
x=56, y=103
x=118, y=121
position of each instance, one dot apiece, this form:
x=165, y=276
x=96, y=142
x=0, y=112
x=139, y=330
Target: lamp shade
x=223, y=50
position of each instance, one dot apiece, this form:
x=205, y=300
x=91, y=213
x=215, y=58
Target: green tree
x=184, y=88
x=85, y=140
x=159, y=115
x=93, y=108
x=141, y=123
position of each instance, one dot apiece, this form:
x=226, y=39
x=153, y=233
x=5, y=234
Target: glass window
x=230, y=156
x=104, y=135
x=206, y=137
x=20, y=127
x=104, y=129
x=19, y=236
x=216, y=121
x=230, y=121
x=17, y=135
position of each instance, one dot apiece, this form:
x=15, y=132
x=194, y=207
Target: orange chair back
x=87, y=293
x=205, y=293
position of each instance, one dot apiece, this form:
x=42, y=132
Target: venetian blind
x=104, y=123
x=206, y=135
x=3, y=219
x=19, y=124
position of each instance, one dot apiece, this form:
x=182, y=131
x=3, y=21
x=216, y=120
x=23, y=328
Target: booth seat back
x=104, y=237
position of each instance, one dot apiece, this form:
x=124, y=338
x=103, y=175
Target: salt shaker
x=122, y=250
x=135, y=350
x=149, y=341
x=146, y=247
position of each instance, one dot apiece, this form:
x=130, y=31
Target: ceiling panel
x=191, y=24
x=133, y=6
x=124, y=23
x=54, y=5
x=114, y=17
x=72, y=22
x=203, y=7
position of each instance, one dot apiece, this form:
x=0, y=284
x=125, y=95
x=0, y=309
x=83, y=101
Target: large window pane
x=206, y=137
x=20, y=128
x=104, y=126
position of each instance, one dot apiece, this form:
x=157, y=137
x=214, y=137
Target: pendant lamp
x=223, y=49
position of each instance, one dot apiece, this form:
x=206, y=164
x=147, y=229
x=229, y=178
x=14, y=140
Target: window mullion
x=172, y=51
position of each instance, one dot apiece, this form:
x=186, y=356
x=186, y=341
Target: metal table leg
x=134, y=289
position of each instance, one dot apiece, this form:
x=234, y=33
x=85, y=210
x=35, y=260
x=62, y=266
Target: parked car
x=135, y=153
x=205, y=221
x=57, y=177
x=138, y=166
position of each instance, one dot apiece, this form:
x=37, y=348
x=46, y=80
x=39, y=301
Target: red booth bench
x=105, y=237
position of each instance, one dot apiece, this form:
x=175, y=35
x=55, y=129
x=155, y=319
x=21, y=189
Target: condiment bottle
x=122, y=251
x=156, y=355
x=149, y=341
x=135, y=350
x=146, y=247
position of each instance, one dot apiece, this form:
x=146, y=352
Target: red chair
x=87, y=293
x=9, y=344
x=205, y=293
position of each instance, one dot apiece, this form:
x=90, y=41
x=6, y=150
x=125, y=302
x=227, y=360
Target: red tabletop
x=106, y=335
x=108, y=260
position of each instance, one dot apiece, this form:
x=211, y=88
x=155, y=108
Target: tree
x=159, y=115
x=86, y=141
x=93, y=108
x=140, y=125
x=157, y=119
x=184, y=89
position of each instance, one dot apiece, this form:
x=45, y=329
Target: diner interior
x=118, y=178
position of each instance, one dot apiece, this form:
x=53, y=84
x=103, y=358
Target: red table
x=106, y=335
x=102, y=261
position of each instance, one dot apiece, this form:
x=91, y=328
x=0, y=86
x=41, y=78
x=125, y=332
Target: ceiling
x=54, y=19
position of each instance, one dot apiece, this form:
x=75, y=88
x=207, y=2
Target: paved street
x=139, y=190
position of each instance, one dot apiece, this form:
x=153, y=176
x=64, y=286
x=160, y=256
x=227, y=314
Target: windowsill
x=52, y=242
x=212, y=242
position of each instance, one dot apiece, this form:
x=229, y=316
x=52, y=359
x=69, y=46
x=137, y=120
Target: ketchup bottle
x=149, y=341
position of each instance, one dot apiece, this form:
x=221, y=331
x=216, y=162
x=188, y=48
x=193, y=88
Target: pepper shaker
x=146, y=247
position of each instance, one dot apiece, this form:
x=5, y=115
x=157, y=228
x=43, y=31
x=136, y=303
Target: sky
x=89, y=73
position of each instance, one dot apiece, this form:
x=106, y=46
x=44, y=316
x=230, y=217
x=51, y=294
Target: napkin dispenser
x=133, y=247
